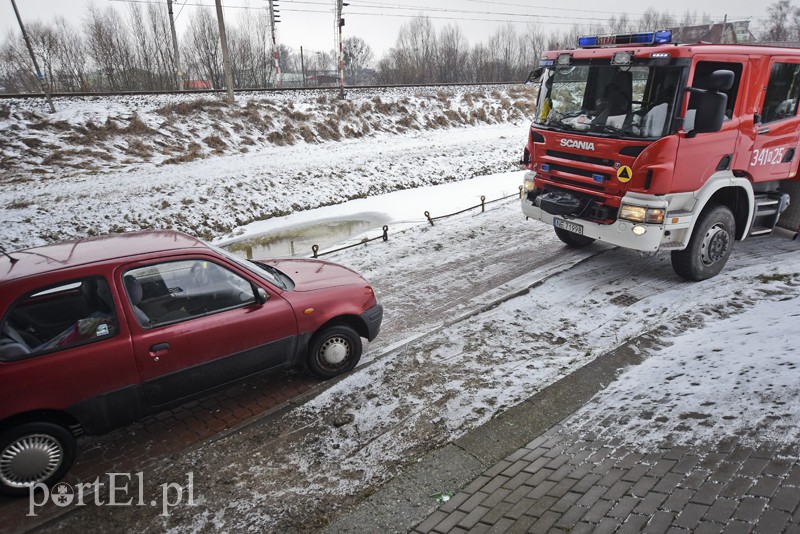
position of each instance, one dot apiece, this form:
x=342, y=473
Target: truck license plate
x=568, y=226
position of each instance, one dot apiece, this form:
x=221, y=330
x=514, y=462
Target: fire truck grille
x=579, y=172
x=575, y=183
x=581, y=157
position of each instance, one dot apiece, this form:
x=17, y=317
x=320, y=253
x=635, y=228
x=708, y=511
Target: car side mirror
x=261, y=296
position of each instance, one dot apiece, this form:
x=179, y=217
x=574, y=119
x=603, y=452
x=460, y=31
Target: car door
x=774, y=154
x=197, y=323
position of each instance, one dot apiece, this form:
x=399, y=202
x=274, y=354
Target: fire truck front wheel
x=709, y=247
x=572, y=239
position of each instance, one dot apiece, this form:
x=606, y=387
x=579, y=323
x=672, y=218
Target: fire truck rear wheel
x=572, y=239
x=709, y=247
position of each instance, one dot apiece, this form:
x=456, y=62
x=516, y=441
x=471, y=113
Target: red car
x=98, y=332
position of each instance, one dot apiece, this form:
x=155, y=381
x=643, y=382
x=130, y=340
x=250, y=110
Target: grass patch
x=17, y=204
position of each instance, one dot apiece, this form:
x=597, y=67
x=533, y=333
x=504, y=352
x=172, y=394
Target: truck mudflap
x=641, y=237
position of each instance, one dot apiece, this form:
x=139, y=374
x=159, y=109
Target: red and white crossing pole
x=274, y=18
x=340, y=24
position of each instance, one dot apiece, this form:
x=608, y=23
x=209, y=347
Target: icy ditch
x=214, y=197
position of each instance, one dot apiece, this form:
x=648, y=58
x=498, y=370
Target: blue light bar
x=643, y=38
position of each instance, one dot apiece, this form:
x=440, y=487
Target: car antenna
x=7, y=255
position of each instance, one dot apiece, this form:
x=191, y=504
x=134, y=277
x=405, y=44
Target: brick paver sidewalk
x=563, y=482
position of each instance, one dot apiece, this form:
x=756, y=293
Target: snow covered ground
x=482, y=311
x=111, y=164
x=416, y=390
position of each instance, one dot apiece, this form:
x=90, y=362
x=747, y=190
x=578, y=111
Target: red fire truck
x=651, y=145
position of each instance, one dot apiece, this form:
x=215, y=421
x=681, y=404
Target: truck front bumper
x=627, y=234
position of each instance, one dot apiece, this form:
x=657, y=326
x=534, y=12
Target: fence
x=385, y=236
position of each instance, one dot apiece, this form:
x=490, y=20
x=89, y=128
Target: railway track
x=12, y=96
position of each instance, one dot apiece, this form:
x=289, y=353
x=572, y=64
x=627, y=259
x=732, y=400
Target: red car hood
x=309, y=275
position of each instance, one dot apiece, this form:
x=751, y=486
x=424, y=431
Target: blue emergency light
x=643, y=38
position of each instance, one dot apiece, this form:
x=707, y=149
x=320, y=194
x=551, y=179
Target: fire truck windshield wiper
x=609, y=128
x=561, y=123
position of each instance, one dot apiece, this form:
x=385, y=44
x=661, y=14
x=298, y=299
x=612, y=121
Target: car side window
x=58, y=317
x=175, y=291
x=783, y=89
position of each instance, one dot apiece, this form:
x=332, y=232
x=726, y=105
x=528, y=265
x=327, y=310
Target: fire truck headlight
x=640, y=214
x=638, y=230
x=632, y=213
x=529, y=181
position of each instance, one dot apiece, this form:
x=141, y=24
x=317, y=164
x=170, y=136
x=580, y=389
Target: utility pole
x=340, y=25
x=178, y=73
x=274, y=18
x=39, y=75
x=302, y=66
x=225, y=59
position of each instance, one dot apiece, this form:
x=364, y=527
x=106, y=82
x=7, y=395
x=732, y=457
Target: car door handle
x=763, y=131
x=158, y=347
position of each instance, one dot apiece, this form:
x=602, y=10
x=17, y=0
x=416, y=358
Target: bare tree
x=415, y=51
x=778, y=28
x=203, y=52
x=358, y=57
x=110, y=48
x=73, y=58
x=453, y=60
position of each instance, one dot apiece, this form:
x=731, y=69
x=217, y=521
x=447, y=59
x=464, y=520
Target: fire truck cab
x=651, y=145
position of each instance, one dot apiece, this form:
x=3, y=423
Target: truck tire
x=709, y=247
x=572, y=239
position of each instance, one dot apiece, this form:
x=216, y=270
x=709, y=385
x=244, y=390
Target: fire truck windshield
x=610, y=100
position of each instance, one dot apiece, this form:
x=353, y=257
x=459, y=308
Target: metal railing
x=385, y=236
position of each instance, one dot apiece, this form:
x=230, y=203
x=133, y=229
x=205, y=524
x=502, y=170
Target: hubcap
x=30, y=459
x=715, y=244
x=334, y=351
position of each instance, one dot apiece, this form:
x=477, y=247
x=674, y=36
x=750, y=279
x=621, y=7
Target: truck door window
x=783, y=88
x=701, y=73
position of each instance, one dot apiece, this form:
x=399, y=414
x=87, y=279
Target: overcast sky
x=310, y=23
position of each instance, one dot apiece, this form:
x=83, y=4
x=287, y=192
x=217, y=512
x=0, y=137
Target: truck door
x=774, y=155
x=701, y=156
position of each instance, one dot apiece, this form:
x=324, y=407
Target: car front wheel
x=34, y=453
x=334, y=351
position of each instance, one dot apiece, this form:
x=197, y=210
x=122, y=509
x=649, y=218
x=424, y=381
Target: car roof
x=66, y=254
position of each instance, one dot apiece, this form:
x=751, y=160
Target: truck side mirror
x=535, y=76
x=711, y=103
x=720, y=80
x=710, y=113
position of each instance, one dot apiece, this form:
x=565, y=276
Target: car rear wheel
x=334, y=351
x=572, y=239
x=34, y=453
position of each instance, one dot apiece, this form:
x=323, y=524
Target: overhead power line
x=565, y=20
